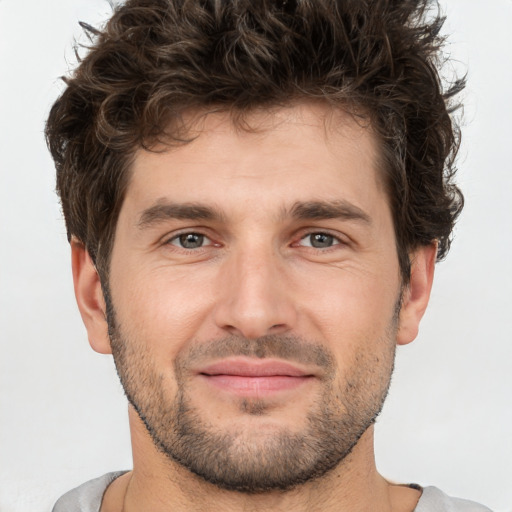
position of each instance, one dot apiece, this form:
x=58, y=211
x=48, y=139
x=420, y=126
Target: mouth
x=254, y=378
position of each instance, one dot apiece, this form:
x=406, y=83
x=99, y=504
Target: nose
x=255, y=299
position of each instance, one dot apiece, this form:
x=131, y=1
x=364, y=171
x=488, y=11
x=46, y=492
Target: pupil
x=191, y=240
x=321, y=240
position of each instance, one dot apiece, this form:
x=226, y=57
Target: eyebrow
x=301, y=210
x=163, y=211
x=319, y=210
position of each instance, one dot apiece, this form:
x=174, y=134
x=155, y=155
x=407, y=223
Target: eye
x=319, y=240
x=190, y=241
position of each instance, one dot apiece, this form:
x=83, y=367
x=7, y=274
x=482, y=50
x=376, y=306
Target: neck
x=160, y=485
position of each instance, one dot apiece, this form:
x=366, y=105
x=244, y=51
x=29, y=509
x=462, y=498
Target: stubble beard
x=254, y=462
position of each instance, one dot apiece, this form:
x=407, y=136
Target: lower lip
x=255, y=386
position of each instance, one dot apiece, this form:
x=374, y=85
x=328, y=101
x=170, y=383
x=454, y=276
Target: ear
x=89, y=297
x=417, y=293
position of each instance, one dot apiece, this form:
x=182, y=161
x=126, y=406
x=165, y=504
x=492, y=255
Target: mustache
x=290, y=348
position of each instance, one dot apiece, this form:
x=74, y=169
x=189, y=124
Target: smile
x=254, y=378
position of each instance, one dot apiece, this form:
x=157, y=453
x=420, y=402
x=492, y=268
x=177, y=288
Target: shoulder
x=434, y=500
x=87, y=497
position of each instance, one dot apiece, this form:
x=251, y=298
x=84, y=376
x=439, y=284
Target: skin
x=257, y=275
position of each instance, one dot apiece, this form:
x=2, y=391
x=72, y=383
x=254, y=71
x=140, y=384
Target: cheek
x=160, y=307
x=350, y=303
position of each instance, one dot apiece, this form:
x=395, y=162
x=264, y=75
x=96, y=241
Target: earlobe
x=89, y=297
x=417, y=293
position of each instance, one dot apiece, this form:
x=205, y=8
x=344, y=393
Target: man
x=255, y=195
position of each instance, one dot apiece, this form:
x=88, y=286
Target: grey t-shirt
x=87, y=498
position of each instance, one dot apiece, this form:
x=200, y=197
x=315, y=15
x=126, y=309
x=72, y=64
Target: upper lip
x=244, y=367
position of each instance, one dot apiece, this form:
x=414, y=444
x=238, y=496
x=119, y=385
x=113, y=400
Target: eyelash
x=176, y=238
x=335, y=240
x=179, y=238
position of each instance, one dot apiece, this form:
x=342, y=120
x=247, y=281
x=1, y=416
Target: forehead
x=260, y=164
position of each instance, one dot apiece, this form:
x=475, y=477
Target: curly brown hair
x=157, y=59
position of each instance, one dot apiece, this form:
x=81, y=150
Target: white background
x=448, y=420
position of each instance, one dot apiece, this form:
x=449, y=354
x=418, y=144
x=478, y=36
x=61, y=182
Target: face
x=253, y=296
